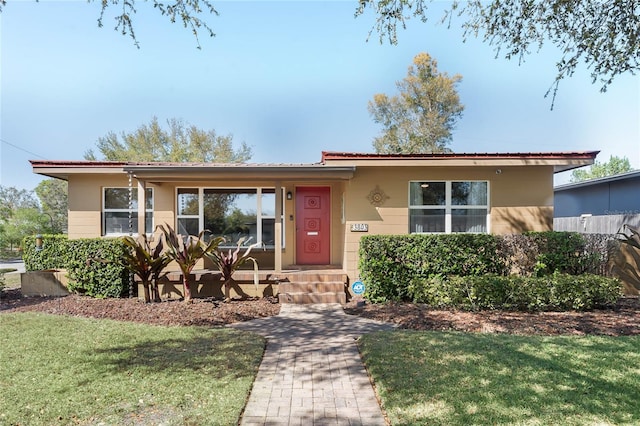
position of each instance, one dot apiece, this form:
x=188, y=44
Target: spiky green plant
x=628, y=271
x=186, y=251
x=229, y=262
x=147, y=263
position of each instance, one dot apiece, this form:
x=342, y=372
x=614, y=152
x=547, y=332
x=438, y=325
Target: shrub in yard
x=542, y=253
x=146, y=262
x=548, y=293
x=388, y=263
x=565, y=252
x=104, y=278
x=94, y=267
x=2, y=283
x=52, y=255
x=186, y=251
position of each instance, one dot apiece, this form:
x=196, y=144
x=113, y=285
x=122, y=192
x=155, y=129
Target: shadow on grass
x=456, y=378
x=219, y=353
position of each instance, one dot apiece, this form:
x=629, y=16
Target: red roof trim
x=84, y=163
x=328, y=155
x=76, y=163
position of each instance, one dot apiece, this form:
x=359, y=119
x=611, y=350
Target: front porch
x=294, y=284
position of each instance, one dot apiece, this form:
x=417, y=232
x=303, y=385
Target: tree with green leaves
x=604, y=35
x=180, y=143
x=20, y=215
x=53, y=195
x=187, y=12
x=24, y=221
x=421, y=118
x=12, y=198
x=614, y=166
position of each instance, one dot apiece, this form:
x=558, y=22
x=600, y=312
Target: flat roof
x=334, y=165
x=561, y=161
x=634, y=174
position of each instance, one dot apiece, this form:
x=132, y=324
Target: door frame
x=298, y=240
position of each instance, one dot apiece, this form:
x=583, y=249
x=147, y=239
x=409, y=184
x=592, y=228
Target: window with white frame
x=448, y=206
x=232, y=213
x=116, y=212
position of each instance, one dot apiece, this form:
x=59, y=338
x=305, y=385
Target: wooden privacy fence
x=608, y=224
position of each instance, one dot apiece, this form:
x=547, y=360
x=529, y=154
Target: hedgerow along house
x=310, y=217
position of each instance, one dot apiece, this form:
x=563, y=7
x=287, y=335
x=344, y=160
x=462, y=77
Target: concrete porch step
x=310, y=276
x=312, y=287
x=307, y=298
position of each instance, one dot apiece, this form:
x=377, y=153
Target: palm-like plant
x=229, y=262
x=147, y=263
x=186, y=252
x=624, y=268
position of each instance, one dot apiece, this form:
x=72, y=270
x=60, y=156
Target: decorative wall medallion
x=377, y=197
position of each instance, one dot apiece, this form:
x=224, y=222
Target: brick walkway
x=311, y=373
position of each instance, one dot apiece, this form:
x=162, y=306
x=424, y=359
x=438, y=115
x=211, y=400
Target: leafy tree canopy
x=605, y=35
x=614, y=166
x=24, y=221
x=53, y=195
x=180, y=143
x=12, y=199
x=422, y=116
x=187, y=12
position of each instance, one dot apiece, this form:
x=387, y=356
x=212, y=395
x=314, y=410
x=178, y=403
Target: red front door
x=313, y=225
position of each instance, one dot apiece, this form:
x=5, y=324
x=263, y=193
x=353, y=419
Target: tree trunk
x=147, y=297
x=227, y=290
x=155, y=293
x=187, y=288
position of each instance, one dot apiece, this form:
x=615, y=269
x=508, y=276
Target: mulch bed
x=620, y=320
x=623, y=319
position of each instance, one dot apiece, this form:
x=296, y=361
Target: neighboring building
x=600, y=205
x=321, y=210
x=618, y=194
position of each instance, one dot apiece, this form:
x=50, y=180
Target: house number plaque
x=359, y=227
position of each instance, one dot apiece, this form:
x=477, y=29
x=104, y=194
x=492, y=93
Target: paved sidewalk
x=311, y=373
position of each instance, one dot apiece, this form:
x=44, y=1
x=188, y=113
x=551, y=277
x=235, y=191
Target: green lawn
x=439, y=378
x=61, y=370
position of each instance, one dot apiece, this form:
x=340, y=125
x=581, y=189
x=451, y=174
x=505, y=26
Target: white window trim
x=134, y=213
x=259, y=215
x=448, y=207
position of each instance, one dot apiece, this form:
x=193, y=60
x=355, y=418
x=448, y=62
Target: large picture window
x=232, y=213
x=448, y=207
x=115, y=211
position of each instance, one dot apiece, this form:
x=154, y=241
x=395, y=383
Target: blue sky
x=290, y=79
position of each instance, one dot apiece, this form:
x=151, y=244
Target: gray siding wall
x=617, y=197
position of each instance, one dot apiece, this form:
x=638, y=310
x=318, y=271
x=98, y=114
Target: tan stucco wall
x=85, y=203
x=521, y=199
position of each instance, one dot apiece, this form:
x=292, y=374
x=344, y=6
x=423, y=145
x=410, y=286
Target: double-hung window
x=232, y=213
x=448, y=206
x=116, y=211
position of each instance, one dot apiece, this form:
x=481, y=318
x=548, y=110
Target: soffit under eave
x=65, y=172
x=299, y=176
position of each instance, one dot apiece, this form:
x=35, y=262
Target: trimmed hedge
x=93, y=264
x=388, y=263
x=555, y=292
x=52, y=256
x=392, y=265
